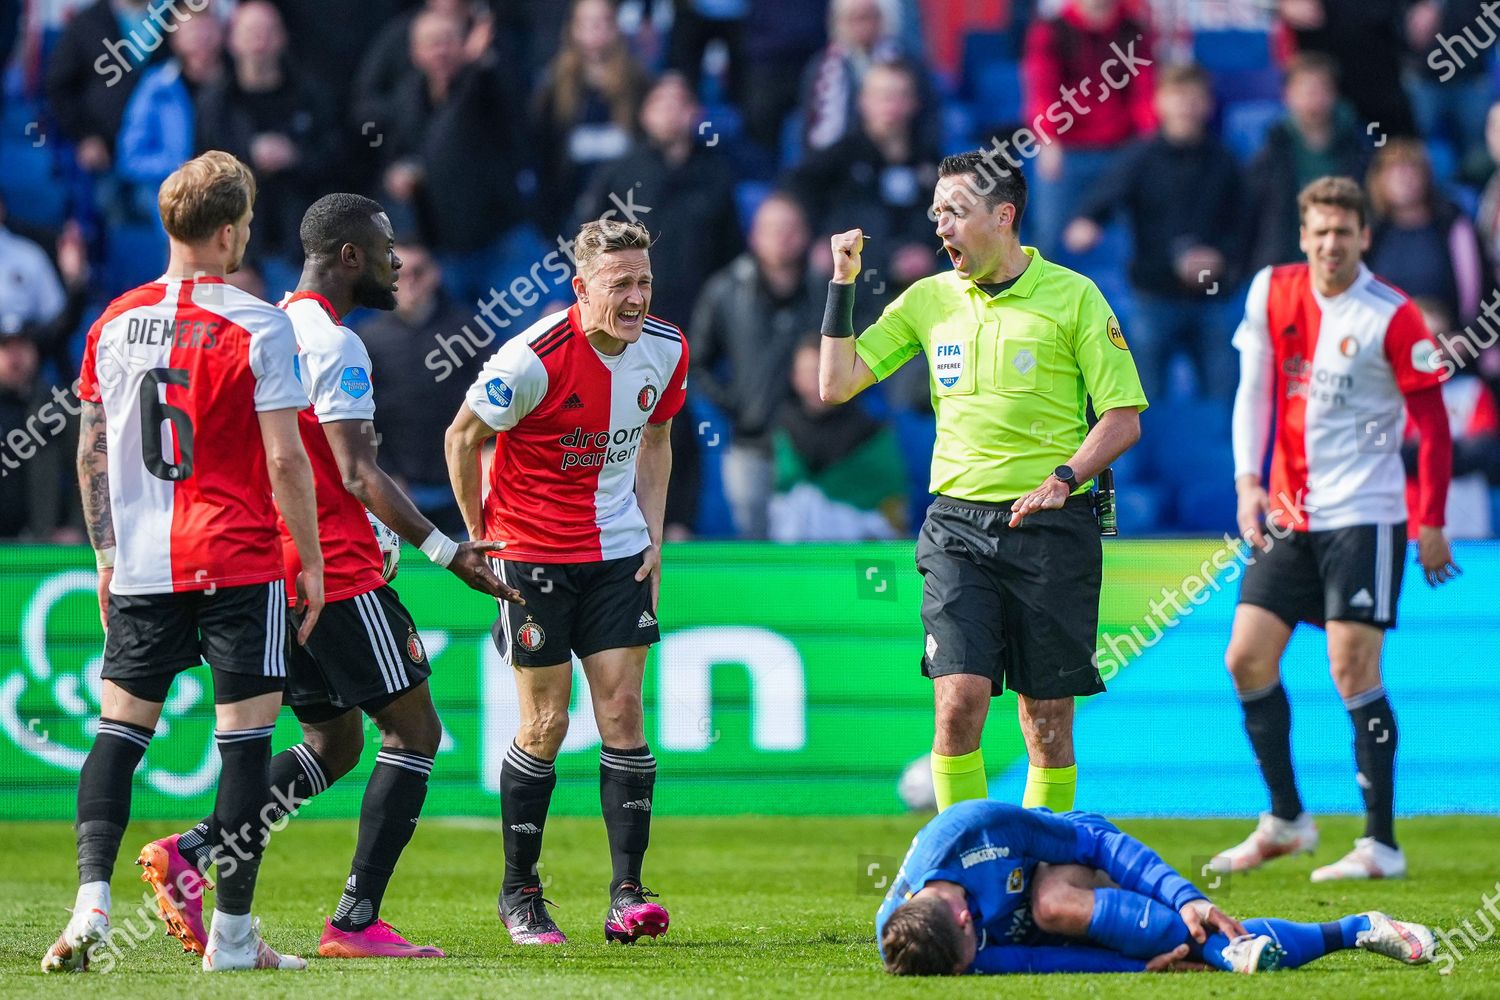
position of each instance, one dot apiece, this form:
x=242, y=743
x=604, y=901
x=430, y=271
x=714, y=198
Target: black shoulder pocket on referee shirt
x=1023, y=360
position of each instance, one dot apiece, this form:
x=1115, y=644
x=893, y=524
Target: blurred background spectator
x=1420, y=241
x=452, y=159
x=1066, y=59
x=881, y=173
x=857, y=40
x=87, y=101
x=1367, y=42
x=271, y=114
x=1317, y=137
x=1182, y=245
x=838, y=470
x=159, y=128
x=748, y=321
x=584, y=109
x=488, y=128
x=1475, y=423
x=680, y=188
x=418, y=394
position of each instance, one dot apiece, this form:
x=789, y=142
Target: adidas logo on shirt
x=644, y=805
x=573, y=402
x=1361, y=599
x=647, y=620
x=531, y=828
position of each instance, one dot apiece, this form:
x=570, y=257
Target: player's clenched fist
x=846, y=249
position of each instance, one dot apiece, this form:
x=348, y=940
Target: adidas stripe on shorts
x=573, y=609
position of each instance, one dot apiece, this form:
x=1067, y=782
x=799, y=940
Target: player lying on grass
x=991, y=887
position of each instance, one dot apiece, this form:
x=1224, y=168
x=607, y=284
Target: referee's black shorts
x=1017, y=605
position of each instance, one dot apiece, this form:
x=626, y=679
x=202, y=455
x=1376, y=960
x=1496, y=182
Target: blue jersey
x=992, y=850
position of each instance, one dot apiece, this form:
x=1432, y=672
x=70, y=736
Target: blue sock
x=1134, y=925
x=1305, y=942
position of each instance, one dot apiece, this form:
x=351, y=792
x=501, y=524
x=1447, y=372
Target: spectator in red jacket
x=1088, y=92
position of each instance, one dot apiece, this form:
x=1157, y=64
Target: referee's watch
x=1064, y=474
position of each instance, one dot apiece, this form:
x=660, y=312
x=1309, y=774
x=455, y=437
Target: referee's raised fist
x=846, y=248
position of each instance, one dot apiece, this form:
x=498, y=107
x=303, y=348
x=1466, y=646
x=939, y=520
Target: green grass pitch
x=760, y=907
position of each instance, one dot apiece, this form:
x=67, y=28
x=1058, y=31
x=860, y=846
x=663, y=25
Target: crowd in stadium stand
x=742, y=133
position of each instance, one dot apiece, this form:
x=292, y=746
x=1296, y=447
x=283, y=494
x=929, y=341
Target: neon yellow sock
x=1052, y=787
x=958, y=778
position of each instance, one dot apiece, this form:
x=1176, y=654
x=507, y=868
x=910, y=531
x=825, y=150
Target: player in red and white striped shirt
x=366, y=659
x=189, y=421
x=580, y=407
x=1337, y=358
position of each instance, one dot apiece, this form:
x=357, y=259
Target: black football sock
x=1375, y=755
x=1268, y=721
x=297, y=774
x=626, y=781
x=526, y=785
x=104, y=796
x=239, y=833
x=387, y=819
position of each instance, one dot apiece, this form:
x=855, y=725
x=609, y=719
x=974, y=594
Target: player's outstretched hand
x=309, y=603
x=1204, y=918
x=471, y=565
x=846, y=250
x=1175, y=960
x=1436, y=556
x=651, y=567
x=1051, y=495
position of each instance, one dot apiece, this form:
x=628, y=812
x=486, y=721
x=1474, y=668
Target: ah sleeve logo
x=355, y=381
x=499, y=393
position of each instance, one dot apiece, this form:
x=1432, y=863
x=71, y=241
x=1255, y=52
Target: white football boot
x=1402, y=940
x=1252, y=953
x=234, y=943
x=70, y=952
x=1369, y=859
x=1273, y=838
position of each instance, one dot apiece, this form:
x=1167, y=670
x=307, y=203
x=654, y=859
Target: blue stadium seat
x=994, y=92
x=1245, y=124
x=791, y=140
x=747, y=198
x=1232, y=51
x=1141, y=509
x=33, y=191
x=1207, y=506
x=136, y=253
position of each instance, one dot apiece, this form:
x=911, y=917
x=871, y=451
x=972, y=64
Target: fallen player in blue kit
x=990, y=887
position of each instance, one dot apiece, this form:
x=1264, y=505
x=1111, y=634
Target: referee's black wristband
x=838, y=314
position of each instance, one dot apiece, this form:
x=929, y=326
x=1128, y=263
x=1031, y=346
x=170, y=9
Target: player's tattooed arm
x=93, y=477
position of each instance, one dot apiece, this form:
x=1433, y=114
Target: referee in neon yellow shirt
x=1009, y=554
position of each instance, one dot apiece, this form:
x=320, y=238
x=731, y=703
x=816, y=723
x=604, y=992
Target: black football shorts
x=1017, y=605
x=1341, y=574
x=363, y=652
x=573, y=609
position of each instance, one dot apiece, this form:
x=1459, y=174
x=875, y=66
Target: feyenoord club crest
x=414, y=650
x=646, y=398
x=530, y=636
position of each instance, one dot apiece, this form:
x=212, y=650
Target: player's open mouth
x=630, y=315
x=955, y=254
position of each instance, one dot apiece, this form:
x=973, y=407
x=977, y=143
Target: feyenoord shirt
x=562, y=483
x=1334, y=372
x=182, y=367
x=334, y=368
